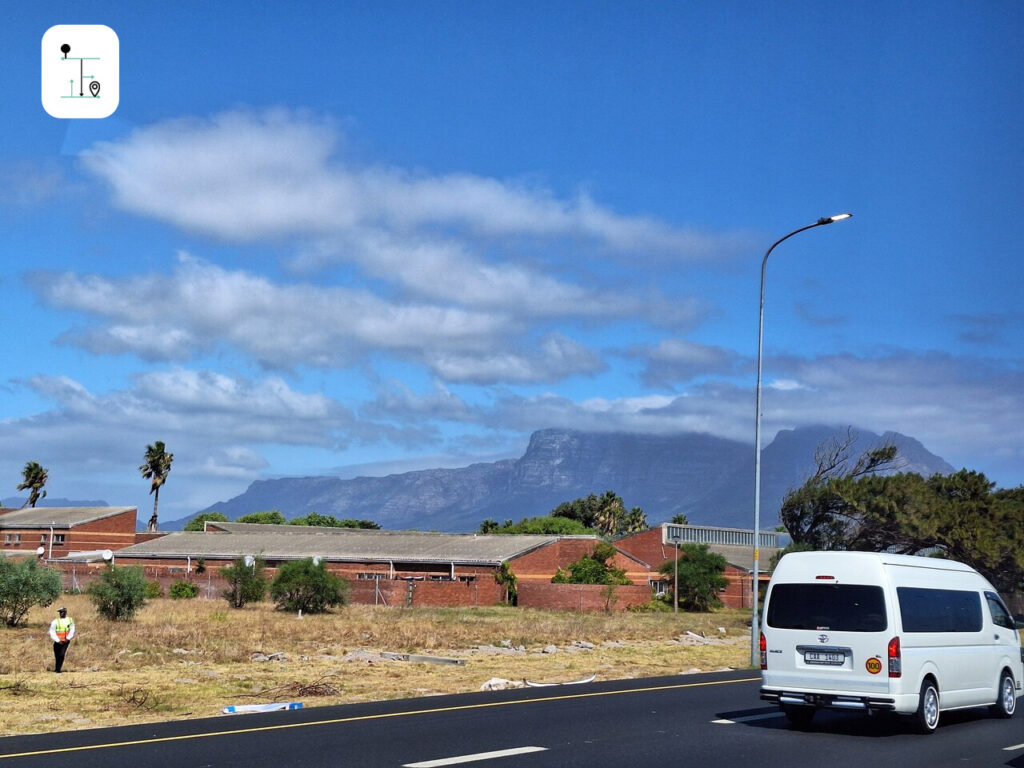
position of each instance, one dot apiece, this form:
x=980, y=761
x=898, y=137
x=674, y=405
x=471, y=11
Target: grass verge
x=190, y=658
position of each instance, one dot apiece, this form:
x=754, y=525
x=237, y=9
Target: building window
x=58, y=538
x=370, y=576
x=467, y=578
x=42, y=538
x=659, y=587
x=440, y=578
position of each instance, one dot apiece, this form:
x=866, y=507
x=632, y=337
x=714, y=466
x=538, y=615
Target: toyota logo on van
x=822, y=639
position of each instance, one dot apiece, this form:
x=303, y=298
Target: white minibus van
x=874, y=632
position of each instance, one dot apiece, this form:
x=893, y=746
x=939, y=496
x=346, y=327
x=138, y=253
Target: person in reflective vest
x=62, y=631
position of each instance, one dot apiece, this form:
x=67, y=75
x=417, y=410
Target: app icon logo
x=80, y=71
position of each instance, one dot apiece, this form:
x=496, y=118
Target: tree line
x=605, y=515
x=855, y=503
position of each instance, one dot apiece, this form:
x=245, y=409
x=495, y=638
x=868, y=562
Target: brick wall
x=541, y=564
x=400, y=592
x=582, y=597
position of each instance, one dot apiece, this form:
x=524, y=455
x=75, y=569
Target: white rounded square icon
x=80, y=70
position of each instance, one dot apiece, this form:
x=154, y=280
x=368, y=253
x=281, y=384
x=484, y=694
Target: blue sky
x=344, y=238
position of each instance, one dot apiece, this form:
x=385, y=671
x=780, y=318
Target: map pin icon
x=94, y=87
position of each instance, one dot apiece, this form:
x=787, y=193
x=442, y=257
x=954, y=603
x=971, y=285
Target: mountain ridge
x=707, y=478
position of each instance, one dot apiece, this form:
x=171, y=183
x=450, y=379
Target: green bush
x=119, y=593
x=183, y=590
x=154, y=590
x=24, y=584
x=302, y=586
x=246, y=583
x=594, y=568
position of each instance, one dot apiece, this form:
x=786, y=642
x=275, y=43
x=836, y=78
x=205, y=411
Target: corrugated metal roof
x=340, y=544
x=743, y=557
x=58, y=517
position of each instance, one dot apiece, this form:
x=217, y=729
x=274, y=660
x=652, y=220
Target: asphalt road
x=703, y=720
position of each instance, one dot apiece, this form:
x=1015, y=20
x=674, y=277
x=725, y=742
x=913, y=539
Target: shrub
x=183, y=590
x=593, y=569
x=302, y=585
x=154, y=590
x=24, y=584
x=119, y=593
x=246, y=583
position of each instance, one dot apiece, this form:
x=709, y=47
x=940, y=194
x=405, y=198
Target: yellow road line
x=363, y=718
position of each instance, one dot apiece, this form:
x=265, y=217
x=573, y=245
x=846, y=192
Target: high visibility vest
x=63, y=628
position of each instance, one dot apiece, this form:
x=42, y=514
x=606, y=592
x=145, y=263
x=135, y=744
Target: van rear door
x=827, y=636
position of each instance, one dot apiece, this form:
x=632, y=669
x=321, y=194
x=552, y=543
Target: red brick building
x=62, y=530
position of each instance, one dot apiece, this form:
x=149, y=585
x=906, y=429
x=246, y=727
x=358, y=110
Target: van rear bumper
x=829, y=700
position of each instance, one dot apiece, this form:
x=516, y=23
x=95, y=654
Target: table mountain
x=707, y=478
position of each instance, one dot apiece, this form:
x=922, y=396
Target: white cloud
x=201, y=305
x=247, y=175
x=555, y=357
x=679, y=360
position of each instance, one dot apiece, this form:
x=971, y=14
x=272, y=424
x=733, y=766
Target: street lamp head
x=837, y=217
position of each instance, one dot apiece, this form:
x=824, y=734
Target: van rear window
x=835, y=607
x=939, y=610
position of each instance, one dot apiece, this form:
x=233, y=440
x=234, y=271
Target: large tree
x=35, y=476
x=818, y=513
x=155, y=469
x=959, y=516
x=700, y=577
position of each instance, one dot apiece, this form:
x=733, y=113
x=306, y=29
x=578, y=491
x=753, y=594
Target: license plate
x=836, y=658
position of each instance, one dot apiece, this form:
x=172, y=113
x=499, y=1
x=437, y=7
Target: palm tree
x=35, y=475
x=156, y=469
x=610, y=514
x=635, y=521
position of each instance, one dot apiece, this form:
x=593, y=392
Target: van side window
x=1000, y=616
x=835, y=607
x=939, y=610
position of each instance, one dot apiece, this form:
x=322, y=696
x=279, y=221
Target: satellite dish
x=107, y=555
x=40, y=551
x=250, y=561
x=316, y=559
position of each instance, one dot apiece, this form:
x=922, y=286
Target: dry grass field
x=191, y=658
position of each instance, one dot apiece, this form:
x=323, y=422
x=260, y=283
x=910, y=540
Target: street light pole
x=755, y=633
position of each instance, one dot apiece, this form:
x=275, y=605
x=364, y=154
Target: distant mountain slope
x=710, y=479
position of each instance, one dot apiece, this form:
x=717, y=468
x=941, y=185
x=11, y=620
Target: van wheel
x=928, y=708
x=799, y=717
x=1006, y=703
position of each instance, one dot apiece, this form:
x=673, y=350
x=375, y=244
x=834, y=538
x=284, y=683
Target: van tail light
x=764, y=652
x=895, y=658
